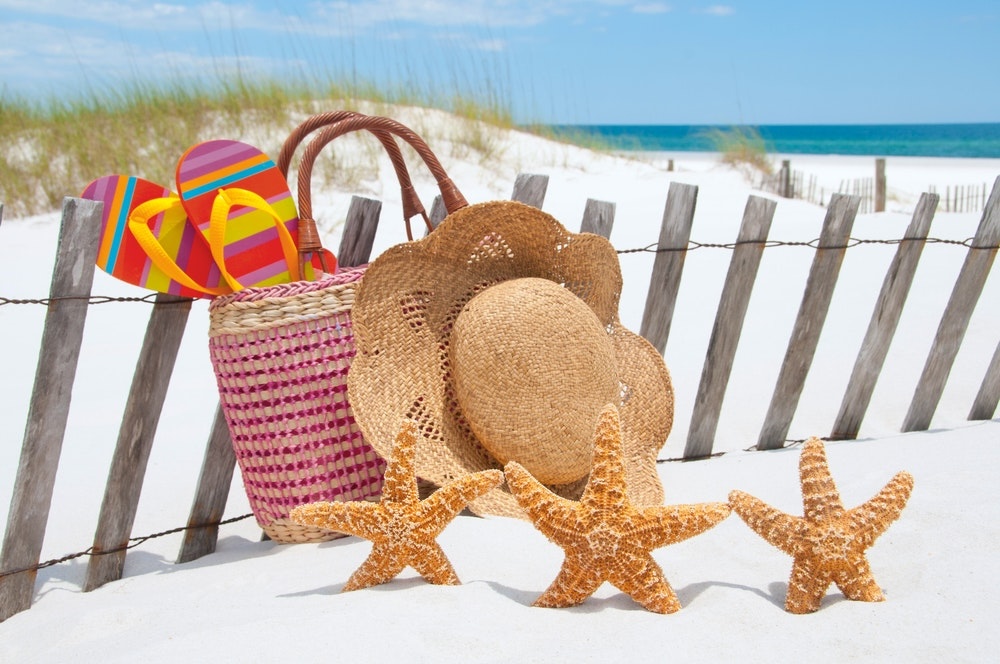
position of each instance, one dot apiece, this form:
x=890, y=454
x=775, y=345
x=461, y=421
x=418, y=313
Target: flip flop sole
x=253, y=252
x=120, y=254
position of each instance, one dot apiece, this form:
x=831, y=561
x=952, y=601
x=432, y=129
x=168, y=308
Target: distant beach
x=980, y=140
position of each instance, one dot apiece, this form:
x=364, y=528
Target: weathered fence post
x=210, y=497
x=786, y=178
x=598, y=218
x=675, y=232
x=728, y=325
x=882, y=327
x=809, y=323
x=1, y=213
x=359, y=231
x=880, y=184
x=72, y=279
x=437, y=214
x=988, y=396
x=530, y=189
x=135, y=438
x=957, y=314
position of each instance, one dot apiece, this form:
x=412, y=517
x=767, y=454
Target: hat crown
x=533, y=367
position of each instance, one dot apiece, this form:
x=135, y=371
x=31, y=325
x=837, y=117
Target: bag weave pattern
x=281, y=356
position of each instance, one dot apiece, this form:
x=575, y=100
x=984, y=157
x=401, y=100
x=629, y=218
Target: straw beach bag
x=281, y=355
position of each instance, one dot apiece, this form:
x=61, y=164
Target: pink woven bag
x=281, y=355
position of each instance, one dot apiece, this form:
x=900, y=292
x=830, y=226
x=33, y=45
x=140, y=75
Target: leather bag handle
x=380, y=126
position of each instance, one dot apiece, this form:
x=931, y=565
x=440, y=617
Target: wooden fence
x=871, y=191
x=71, y=288
x=789, y=183
x=963, y=198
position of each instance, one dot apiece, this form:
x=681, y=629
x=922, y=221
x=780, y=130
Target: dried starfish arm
x=444, y=504
x=606, y=488
x=780, y=529
x=379, y=567
x=872, y=518
x=644, y=581
x=433, y=565
x=543, y=507
x=676, y=523
x=860, y=583
x=806, y=588
x=574, y=584
x=355, y=518
x=820, y=496
x=400, y=483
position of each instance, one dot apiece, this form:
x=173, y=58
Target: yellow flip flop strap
x=224, y=202
x=138, y=224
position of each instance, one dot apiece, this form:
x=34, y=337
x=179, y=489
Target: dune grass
x=51, y=149
x=743, y=148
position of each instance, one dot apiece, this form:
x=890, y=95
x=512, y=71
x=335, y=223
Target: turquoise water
x=903, y=140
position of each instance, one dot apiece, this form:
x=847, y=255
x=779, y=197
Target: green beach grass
x=51, y=149
x=743, y=148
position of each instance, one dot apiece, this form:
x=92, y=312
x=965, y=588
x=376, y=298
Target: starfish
x=604, y=536
x=828, y=544
x=402, y=528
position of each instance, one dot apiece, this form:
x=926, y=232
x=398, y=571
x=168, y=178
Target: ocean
x=888, y=140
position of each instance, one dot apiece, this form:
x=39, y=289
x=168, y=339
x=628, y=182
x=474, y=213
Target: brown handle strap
x=412, y=205
x=450, y=195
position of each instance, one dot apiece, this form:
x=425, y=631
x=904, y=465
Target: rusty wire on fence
x=92, y=299
x=132, y=543
x=692, y=245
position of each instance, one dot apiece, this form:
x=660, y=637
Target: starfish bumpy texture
x=402, y=528
x=605, y=537
x=828, y=543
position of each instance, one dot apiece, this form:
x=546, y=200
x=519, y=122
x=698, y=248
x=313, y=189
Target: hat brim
x=403, y=315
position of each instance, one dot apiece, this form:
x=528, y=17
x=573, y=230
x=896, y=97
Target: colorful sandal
x=167, y=255
x=239, y=200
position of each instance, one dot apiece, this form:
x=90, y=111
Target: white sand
x=254, y=601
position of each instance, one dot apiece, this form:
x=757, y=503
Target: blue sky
x=564, y=61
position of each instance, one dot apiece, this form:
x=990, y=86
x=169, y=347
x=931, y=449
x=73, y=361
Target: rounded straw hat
x=498, y=334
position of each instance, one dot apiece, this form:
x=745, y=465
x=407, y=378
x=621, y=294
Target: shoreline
x=959, y=140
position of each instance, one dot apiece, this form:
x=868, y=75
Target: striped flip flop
x=147, y=241
x=240, y=201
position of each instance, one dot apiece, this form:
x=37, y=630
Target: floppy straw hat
x=498, y=334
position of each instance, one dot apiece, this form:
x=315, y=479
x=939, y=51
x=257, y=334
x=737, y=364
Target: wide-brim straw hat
x=498, y=334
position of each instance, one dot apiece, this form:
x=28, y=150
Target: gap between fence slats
x=809, y=323
x=729, y=318
x=135, y=437
x=884, y=320
x=955, y=321
x=664, y=284
x=72, y=276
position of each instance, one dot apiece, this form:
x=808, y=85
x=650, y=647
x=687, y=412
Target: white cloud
x=720, y=10
x=652, y=8
x=323, y=16
x=37, y=57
